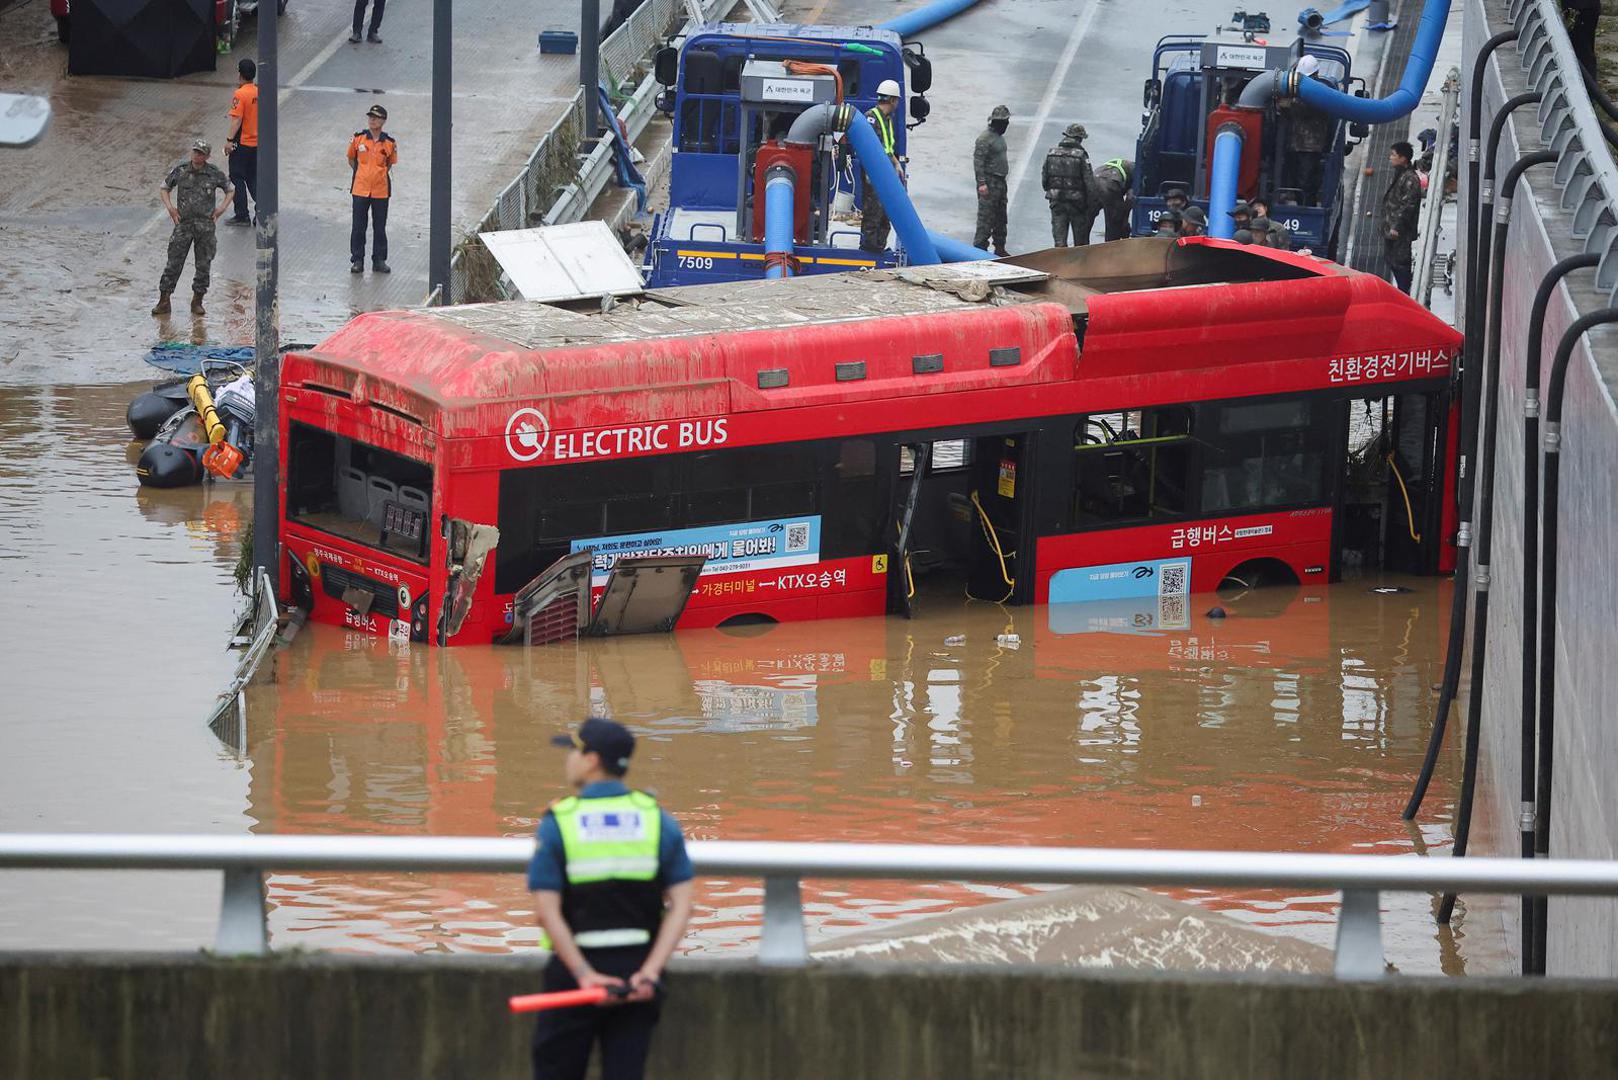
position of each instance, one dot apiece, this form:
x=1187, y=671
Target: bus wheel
x=748, y=624
x=1255, y=574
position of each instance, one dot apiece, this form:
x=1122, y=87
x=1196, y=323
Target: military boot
x=162, y=305
x=196, y=304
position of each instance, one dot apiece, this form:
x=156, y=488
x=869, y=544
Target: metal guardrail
x=1585, y=170
x=229, y=717
x=533, y=197
x=1360, y=878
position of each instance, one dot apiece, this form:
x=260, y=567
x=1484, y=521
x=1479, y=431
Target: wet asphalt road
x=84, y=233
x=1051, y=62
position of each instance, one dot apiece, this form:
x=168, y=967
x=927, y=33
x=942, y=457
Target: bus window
x=344, y=487
x=1133, y=465
x=947, y=455
x=1264, y=455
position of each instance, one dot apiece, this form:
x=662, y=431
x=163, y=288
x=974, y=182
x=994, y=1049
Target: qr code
x=798, y=536
x=1171, y=580
x=1171, y=613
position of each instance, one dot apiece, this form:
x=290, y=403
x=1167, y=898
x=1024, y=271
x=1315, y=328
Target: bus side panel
x=1299, y=538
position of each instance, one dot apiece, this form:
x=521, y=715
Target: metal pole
x=266, y=311
x=438, y=210
x=590, y=64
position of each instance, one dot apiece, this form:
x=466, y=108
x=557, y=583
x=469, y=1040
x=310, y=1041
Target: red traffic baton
x=560, y=999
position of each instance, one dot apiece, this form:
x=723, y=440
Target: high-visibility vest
x=1118, y=163
x=884, y=129
x=612, y=896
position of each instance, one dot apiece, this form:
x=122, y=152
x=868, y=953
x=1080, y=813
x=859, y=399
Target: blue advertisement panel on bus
x=731, y=549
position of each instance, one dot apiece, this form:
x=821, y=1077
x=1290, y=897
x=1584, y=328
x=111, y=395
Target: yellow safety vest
x=610, y=848
x=884, y=129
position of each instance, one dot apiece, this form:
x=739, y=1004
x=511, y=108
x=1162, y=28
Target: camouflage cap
x=1241, y=209
x=1075, y=131
x=1176, y=193
x=202, y=146
x=1194, y=213
x=1260, y=224
x=999, y=112
x=1243, y=236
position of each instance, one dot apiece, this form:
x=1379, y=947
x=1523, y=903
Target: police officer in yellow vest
x=612, y=884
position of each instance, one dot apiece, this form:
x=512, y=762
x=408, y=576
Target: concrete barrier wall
x=129, y=1016
x=1583, y=933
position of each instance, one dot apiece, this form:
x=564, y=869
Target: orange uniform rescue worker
x=612, y=888
x=372, y=154
x=241, y=149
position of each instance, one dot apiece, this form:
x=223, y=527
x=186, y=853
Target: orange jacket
x=371, y=157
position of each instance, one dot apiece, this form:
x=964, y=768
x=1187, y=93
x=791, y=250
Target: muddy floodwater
x=1294, y=724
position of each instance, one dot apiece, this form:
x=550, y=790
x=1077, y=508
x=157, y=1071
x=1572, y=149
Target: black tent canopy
x=158, y=39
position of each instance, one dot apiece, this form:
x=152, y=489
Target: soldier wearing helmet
x=990, y=169
x=1070, y=186
x=873, y=215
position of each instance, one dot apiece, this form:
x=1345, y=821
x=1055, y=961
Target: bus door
x=1001, y=497
x=901, y=575
x=1391, y=515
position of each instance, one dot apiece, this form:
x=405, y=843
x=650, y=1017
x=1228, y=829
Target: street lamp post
x=438, y=208
x=266, y=312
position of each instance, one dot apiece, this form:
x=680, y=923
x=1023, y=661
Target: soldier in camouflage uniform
x=990, y=169
x=194, y=185
x=1070, y=185
x=1401, y=206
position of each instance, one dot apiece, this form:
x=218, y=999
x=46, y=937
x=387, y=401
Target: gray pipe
x=817, y=120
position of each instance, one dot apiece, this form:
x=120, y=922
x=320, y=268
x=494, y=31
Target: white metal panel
x=564, y=262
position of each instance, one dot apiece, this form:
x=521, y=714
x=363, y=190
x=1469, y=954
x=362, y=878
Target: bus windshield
x=359, y=492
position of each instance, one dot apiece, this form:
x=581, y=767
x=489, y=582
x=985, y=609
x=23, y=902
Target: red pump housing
x=800, y=159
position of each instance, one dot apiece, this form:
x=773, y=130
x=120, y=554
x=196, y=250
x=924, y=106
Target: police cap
x=612, y=741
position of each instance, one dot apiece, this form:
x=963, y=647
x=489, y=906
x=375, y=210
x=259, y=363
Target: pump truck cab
x=1193, y=96
x=733, y=91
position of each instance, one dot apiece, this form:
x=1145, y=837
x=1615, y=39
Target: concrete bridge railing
x=1359, y=878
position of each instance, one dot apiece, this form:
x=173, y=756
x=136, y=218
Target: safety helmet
x=1075, y=131
x=999, y=112
x=888, y=88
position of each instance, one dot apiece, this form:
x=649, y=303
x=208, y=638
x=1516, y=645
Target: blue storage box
x=558, y=41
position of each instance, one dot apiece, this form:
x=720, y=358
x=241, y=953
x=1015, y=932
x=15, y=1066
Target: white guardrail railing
x=532, y=198
x=1359, y=878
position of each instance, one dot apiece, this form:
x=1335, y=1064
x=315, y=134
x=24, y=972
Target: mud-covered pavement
x=84, y=234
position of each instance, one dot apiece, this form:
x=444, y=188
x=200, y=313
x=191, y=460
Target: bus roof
x=1135, y=305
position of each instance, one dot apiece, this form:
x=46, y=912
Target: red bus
x=1145, y=418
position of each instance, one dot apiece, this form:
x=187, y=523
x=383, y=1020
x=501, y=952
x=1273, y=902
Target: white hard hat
x=1307, y=65
x=888, y=88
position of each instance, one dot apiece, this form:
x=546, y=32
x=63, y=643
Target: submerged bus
x=1149, y=418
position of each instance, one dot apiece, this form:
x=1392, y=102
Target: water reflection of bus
x=828, y=442
x=868, y=729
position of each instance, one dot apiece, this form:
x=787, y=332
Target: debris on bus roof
x=576, y=261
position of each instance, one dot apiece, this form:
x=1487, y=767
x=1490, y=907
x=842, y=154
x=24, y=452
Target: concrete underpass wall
x=130, y=1016
x=1583, y=935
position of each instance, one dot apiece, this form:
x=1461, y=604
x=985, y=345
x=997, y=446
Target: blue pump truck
x=1191, y=98
x=733, y=91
